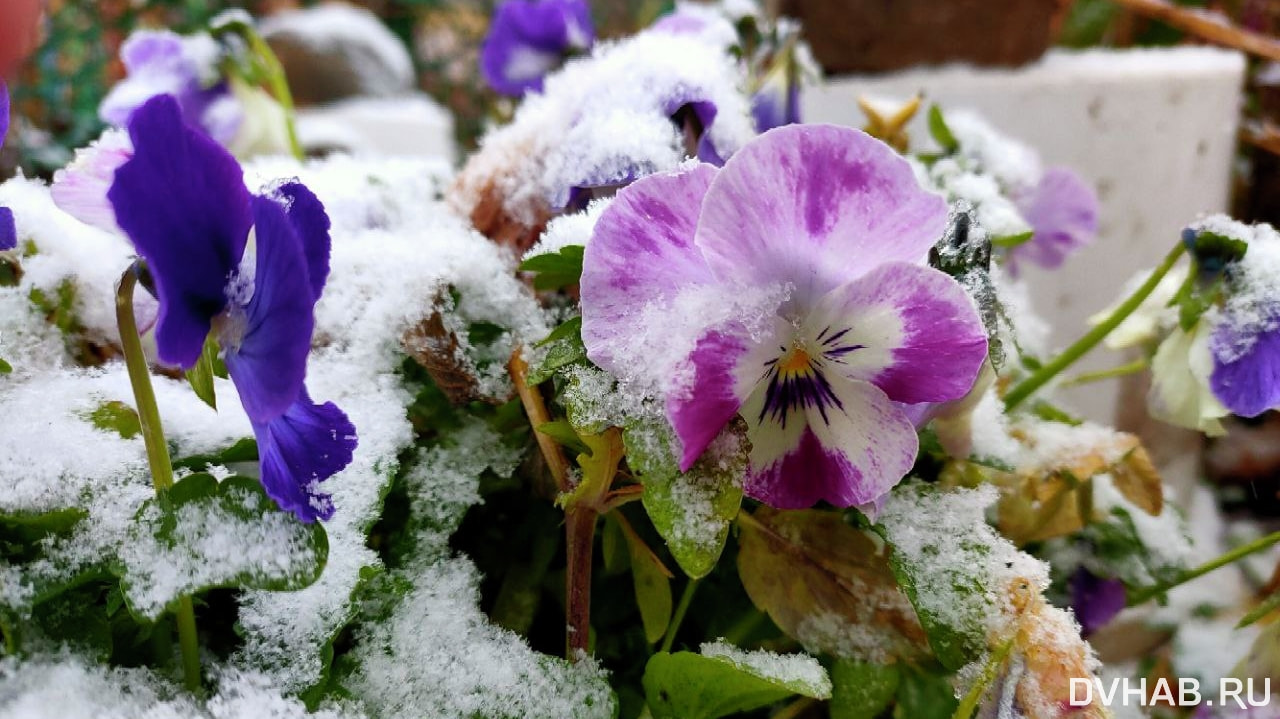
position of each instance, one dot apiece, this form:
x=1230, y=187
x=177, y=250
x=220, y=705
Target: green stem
x=1144, y=595
x=157, y=452
x=1091, y=339
x=1110, y=373
x=970, y=701
x=678, y=617
x=279, y=88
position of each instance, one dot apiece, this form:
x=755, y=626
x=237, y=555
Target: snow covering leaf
x=564, y=348
x=200, y=377
x=556, y=270
x=827, y=584
x=204, y=534
x=724, y=680
x=691, y=510
x=116, y=416
x=862, y=690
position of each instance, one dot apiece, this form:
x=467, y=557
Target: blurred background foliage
x=58, y=91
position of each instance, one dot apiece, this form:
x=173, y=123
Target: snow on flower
x=530, y=38
x=251, y=269
x=838, y=221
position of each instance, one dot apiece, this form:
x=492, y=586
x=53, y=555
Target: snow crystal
x=567, y=230
x=1013, y=164
x=791, y=669
x=66, y=685
x=605, y=119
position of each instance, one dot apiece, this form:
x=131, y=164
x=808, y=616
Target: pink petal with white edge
x=80, y=189
x=641, y=254
x=816, y=206
x=916, y=332
x=852, y=457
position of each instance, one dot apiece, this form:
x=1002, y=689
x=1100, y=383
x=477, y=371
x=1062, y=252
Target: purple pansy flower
x=1063, y=213
x=164, y=63
x=249, y=268
x=8, y=231
x=1247, y=383
x=1095, y=600
x=838, y=219
x=530, y=38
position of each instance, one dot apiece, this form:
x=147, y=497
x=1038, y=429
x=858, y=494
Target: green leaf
x=563, y=432
x=685, y=685
x=200, y=376
x=862, y=690
x=924, y=696
x=652, y=583
x=564, y=348
x=692, y=511
x=556, y=270
x=204, y=534
x=245, y=450
x=941, y=132
x=1267, y=606
x=1007, y=241
x=5, y=367
x=116, y=416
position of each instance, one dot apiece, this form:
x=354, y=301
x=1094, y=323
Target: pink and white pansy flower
x=863, y=327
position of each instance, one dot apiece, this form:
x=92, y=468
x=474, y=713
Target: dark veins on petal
x=797, y=381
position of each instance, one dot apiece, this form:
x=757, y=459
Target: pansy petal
x=1063, y=213
x=311, y=223
x=815, y=206
x=268, y=362
x=1095, y=600
x=300, y=449
x=910, y=330
x=80, y=188
x=721, y=367
x=641, y=254
x=847, y=454
x=1249, y=384
x=527, y=40
x=4, y=111
x=181, y=200
x=8, y=230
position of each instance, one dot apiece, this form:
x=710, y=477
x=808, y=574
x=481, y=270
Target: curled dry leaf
x=828, y=585
x=436, y=348
x=1053, y=496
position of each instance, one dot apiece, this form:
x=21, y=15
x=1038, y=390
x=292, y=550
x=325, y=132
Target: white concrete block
x=1154, y=130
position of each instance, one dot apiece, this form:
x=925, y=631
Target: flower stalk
x=157, y=452
x=1143, y=596
x=582, y=507
x=1082, y=346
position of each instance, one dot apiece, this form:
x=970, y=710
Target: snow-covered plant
x=668, y=405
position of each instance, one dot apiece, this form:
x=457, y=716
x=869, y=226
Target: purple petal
x=80, y=189
x=1096, y=600
x=268, y=362
x=640, y=255
x=4, y=111
x=816, y=206
x=300, y=449
x=527, y=40
x=705, y=111
x=311, y=223
x=8, y=230
x=714, y=397
x=1249, y=384
x=164, y=63
x=910, y=330
x=847, y=454
x=777, y=102
x=1063, y=212
x=181, y=200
